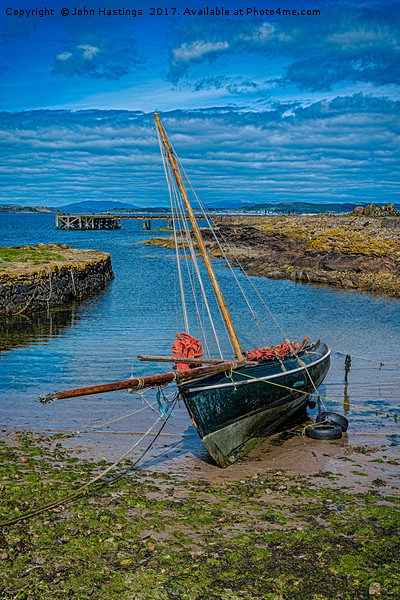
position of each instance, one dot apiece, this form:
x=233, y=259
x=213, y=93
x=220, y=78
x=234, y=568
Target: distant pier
x=89, y=222
x=75, y=222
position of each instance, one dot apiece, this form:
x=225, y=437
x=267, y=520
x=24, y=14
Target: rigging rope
x=200, y=321
x=269, y=311
x=248, y=279
x=178, y=212
x=206, y=216
x=374, y=410
x=170, y=190
x=83, y=488
x=204, y=296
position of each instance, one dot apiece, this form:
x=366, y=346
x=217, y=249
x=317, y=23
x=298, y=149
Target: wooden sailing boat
x=232, y=403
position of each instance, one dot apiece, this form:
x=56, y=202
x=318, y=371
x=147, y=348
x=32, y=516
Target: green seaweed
x=271, y=536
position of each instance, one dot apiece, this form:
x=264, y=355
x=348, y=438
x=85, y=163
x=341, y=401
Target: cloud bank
x=339, y=45
x=341, y=150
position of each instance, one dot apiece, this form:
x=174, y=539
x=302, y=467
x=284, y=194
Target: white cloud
x=260, y=35
x=88, y=52
x=347, y=146
x=365, y=38
x=197, y=50
x=64, y=56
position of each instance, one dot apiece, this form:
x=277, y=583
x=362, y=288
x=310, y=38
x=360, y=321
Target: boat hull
x=232, y=412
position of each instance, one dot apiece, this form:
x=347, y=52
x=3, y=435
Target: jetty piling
x=76, y=222
x=88, y=222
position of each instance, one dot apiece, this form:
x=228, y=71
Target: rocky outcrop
x=391, y=222
x=371, y=210
x=343, y=251
x=11, y=208
x=69, y=274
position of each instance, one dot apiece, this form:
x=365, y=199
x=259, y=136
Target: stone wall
x=36, y=288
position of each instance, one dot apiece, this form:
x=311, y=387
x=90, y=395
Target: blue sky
x=260, y=107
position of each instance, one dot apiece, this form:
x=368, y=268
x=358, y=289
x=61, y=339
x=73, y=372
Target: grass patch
x=28, y=254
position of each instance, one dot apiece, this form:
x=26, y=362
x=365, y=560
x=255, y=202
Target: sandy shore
x=358, y=460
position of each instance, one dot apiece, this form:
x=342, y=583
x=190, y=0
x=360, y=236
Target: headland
x=350, y=251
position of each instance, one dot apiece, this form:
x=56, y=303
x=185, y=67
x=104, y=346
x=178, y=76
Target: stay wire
x=206, y=216
x=83, y=489
x=141, y=263
x=200, y=280
x=262, y=300
x=170, y=191
x=180, y=212
x=293, y=351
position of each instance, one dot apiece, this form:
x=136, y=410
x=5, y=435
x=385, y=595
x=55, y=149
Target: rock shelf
x=34, y=278
x=346, y=251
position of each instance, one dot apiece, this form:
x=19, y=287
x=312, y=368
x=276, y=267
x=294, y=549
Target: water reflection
x=21, y=330
x=97, y=340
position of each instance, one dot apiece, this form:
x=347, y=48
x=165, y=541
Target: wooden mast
x=197, y=233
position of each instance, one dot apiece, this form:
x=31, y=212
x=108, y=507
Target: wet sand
x=357, y=462
x=296, y=518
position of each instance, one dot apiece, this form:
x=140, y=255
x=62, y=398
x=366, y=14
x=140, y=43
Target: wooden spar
x=191, y=361
x=142, y=382
x=173, y=359
x=199, y=238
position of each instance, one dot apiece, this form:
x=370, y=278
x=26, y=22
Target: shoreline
x=373, y=455
x=349, y=252
x=263, y=532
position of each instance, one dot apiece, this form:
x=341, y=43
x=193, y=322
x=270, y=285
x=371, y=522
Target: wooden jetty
x=74, y=222
x=113, y=221
x=88, y=222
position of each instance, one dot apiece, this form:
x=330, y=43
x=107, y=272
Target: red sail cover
x=263, y=353
x=186, y=346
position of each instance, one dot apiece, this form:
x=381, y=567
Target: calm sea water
x=97, y=340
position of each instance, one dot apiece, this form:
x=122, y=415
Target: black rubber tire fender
x=324, y=431
x=331, y=417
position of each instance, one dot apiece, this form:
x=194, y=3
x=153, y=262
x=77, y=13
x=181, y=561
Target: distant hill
x=13, y=208
x=96, y=206
x=295, y=207
x=230, y=204
x=304, y=207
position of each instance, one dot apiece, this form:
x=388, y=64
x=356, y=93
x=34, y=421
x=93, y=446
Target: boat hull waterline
x=233, y=412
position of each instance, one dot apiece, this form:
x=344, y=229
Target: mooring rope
x=73, y=282
x=381, y=362
x=89, y=429
x=28, y=303
x=312, y=394
x=83, y=488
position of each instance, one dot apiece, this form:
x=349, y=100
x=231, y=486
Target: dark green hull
x=232, y=413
